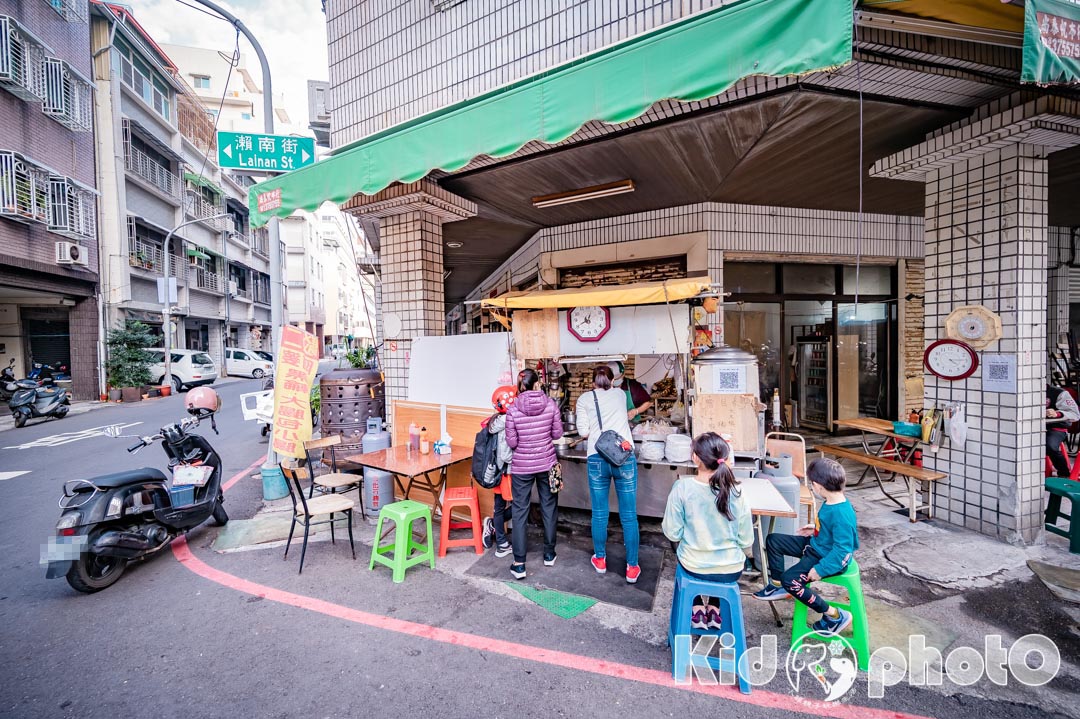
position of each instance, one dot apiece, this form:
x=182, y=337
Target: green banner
x=1051, y=42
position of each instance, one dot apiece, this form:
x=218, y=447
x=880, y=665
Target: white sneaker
x=504, y=549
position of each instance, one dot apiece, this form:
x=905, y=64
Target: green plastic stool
x=850, y=580
x=1059, y=487
x=402, y=514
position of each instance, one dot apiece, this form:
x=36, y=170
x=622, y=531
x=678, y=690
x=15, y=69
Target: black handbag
x=610, y=445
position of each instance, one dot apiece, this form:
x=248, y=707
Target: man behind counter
x=638, y=399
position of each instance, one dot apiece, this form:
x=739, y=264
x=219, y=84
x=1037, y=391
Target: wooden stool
x=464, y=497
x=1058, y=488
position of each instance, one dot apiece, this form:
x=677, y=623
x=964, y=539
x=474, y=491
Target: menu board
x=729, y=414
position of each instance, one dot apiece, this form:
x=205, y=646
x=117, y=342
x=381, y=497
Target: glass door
x=864, y=355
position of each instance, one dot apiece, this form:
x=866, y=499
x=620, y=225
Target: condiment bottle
x=425, y=444
x=414, y=436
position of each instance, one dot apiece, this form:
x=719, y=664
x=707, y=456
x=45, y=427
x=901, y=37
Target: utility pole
x=166, y=312
x=274, y=486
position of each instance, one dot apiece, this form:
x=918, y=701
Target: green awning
x=200, y=181
x=198, y=253
x=689, y=60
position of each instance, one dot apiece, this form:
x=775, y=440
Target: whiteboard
x=459, y=370
x=643, y=329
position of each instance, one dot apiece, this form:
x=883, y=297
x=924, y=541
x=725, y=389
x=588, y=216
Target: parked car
x=190, y=368
x=338, y=351
x=247, y=362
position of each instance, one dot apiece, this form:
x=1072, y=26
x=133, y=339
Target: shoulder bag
x=609, y=444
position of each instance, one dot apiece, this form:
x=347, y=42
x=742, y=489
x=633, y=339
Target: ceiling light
x=585, y=193
x=455, y=245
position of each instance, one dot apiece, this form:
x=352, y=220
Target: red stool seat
x=465, y=498
x=1074, y=465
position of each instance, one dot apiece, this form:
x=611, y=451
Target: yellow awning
x=639, y=293
x=991, y=14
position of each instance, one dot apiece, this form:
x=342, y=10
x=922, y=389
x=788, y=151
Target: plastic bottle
x=425, y=444
x=414, y=436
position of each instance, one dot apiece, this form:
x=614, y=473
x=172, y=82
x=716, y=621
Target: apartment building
x=49, y=263
x=350, y=291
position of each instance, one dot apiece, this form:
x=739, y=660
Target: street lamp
x=166, y=313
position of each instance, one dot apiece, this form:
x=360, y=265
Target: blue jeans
x=601, y=473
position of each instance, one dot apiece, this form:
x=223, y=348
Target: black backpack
x=484, y=459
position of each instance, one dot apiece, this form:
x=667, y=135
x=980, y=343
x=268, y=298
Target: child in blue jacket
x=824, y=555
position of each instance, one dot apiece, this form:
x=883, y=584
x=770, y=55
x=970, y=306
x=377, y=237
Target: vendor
x=638, y=399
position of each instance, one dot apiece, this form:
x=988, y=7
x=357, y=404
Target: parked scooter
x=114, y=519
x=33, y=402
x=9, y=385
x=48, y=373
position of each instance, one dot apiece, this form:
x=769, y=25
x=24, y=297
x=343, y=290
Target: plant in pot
x=128, y=365
x=363, y=358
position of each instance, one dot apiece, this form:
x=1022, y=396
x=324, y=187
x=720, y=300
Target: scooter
x=33, y=402
x=9, y=385
x=112, y=520
x=48, y=373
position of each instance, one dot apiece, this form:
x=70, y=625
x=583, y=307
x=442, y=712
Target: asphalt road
x=193, y=640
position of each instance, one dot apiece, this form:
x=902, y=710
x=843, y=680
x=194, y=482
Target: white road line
x=68, y=437
x=12, y=475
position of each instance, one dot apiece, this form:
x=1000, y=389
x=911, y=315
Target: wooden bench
x=912, y=476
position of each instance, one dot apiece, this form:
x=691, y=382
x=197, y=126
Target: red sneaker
x=632, y=573
x=599, y=564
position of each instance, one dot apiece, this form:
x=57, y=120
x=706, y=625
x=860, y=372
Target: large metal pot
x=349, y=398
x=717, y=371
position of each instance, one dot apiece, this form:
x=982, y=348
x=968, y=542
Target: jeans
x=549, y=511
x=503, y=513
x=601, y=473
x=795, y=578
x=1054, y=438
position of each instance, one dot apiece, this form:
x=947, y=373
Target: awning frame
x=637, y=293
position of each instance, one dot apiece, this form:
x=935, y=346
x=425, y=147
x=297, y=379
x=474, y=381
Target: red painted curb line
x=551, y=657
x=241, y=474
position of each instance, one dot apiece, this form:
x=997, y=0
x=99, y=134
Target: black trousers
x=522, y=485
x=1054, y=438
x=794, y=579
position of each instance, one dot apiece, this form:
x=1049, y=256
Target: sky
x=291, y=32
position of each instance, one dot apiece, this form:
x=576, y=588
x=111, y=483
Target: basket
x=182, y=496
x=908, y=429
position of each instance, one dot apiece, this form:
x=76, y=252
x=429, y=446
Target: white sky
x=292, y=33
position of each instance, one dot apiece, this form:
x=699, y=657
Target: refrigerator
x=814, y=374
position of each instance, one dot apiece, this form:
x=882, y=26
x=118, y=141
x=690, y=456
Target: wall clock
x=951, y=360
x=975, y=325
x=588, y=324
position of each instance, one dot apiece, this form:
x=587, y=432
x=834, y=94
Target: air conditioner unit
x=71, y=253
x=233, y=289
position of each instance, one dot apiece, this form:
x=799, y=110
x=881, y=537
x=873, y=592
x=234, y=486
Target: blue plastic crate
x=182, y=496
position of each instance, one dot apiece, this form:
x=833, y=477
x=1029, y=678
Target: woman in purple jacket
x=532, y=423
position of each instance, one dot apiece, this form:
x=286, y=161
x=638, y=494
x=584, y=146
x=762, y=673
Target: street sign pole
x=273, y=480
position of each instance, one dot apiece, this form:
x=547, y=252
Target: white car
x=247, y=362
x=338, y=351
x=190, y=368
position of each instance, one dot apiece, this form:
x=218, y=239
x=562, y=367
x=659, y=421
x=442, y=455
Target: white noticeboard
x=643, y=329
x=459, y=370
x=999, y=373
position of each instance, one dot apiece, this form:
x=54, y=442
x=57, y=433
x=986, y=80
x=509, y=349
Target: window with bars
x=22, y=61
x=144, y=81
x=261, y=286
x=72, y=209
x=71, y=10
x=24, y=189
x=68, y=97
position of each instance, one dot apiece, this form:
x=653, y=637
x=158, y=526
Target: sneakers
x=504, y=549
x=831, y=627
x=599, y=564
x=749, y=570
x=632, y=573
x=772, y=593
x=699, y=619
x=487, y=537
x=549, y=559
x=517, y=571
x=713, y=621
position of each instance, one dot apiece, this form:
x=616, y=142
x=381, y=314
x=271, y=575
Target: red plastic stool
x=1074, y=466
x=460, y=497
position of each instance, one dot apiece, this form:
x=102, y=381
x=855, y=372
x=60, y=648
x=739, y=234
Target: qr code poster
x=999, y=373
x=729, y=380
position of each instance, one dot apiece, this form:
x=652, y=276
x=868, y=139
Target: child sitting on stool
x=824, y=555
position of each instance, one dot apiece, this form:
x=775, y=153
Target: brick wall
x=84, y=328
x=911, y=335
x=622, y=274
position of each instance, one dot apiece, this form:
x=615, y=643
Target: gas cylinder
x=777, y=469
x=378, y=485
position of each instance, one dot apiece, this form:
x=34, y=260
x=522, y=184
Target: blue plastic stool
x=731, y=616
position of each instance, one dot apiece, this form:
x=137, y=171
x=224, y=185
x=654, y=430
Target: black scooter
x=114, y=519
x=33, y=402
x=9, y=385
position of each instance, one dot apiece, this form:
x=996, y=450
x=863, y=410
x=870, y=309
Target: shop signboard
x=297, y=363
x=1051, y=42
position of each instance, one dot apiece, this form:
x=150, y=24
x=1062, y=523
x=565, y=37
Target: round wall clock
x=950, y=360
x=975, y=325
x=588, y=324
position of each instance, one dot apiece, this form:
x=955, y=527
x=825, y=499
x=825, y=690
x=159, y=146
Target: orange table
x=412, y=469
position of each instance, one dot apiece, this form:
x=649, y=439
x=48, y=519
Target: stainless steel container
x=349, y=398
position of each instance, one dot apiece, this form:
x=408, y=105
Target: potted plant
x=128, y=365
x=114, y=394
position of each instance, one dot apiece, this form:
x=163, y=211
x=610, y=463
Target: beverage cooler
x=815, y=382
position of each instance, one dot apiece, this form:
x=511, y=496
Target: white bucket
x=677, y=448
x=651, y=451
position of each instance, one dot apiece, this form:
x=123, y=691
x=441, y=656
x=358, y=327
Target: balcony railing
x=204, y=279
x=22, y=61
x=162, y=178
x=71, y=10
x=244, y=294
x=197, y=208
x=145, y=255
x=260, y=244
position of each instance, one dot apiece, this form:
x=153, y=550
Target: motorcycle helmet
x=502, y=398
x=202, y=402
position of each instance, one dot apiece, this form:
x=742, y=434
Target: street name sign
x=264, y=153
